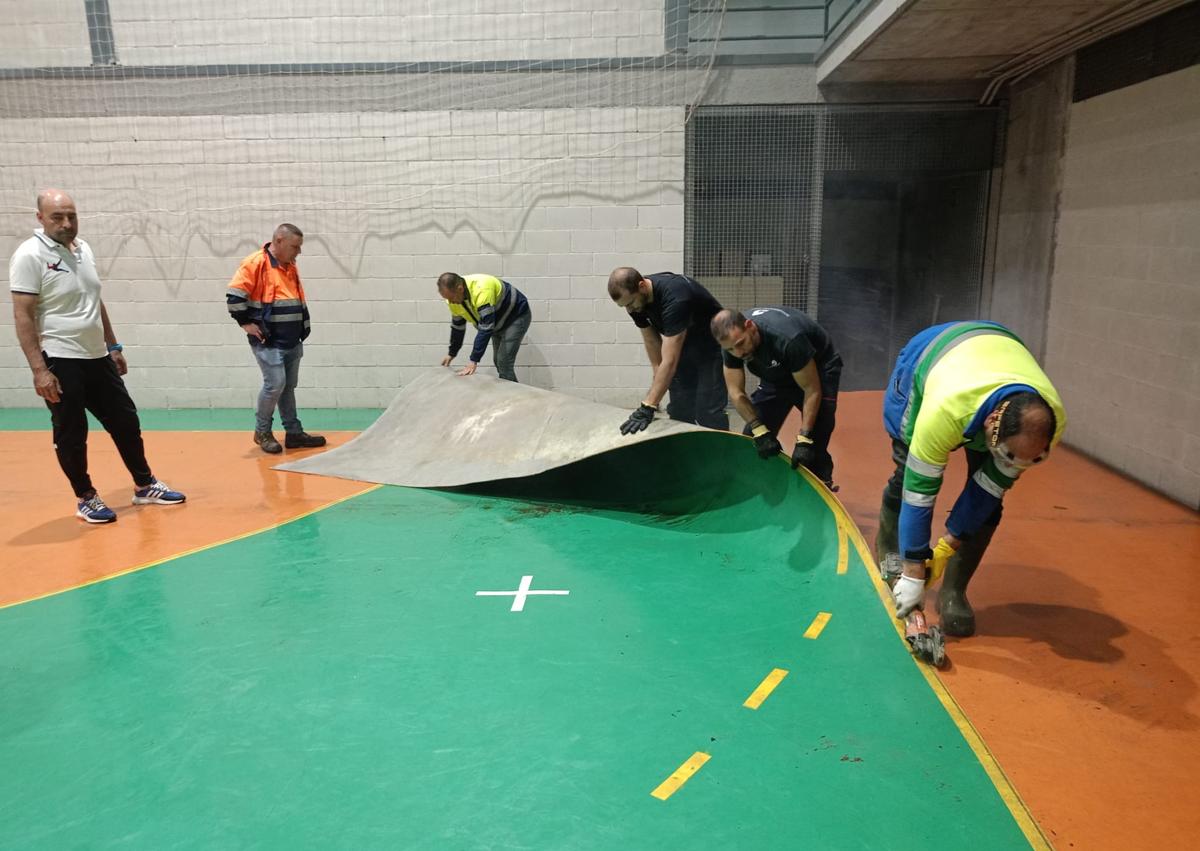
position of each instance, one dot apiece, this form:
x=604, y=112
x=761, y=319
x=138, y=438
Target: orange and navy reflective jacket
x=265, y=291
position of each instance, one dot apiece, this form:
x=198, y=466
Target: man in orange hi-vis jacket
x=266, y=299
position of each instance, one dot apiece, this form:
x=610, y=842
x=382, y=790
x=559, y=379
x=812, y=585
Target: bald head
x=623, y=281
x=1023, y=427
x=725, y=322
x=56, y=213
x=53, y=196
x=1026, y=414
x=1038, y=421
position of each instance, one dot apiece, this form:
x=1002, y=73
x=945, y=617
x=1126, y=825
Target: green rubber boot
x=887, y=539
x=958, y=618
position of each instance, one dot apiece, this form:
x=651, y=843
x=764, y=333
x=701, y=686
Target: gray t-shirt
x=68, y=290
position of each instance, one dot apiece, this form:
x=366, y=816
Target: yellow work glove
x=936, y=566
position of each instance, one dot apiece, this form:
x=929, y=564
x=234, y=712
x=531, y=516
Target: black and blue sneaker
x=93, y=510
x=157, y=493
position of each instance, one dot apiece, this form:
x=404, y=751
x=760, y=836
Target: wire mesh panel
x=872, y=218
x=360, y=93
x=541, y=140
x=751, y=208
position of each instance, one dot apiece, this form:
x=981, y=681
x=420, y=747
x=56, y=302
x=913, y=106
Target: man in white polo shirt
x=77, y=363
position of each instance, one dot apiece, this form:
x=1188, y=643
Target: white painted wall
x=151, y=32
x=394, y=179
x=550, y=199
x=37, y=34
x=1123, y=336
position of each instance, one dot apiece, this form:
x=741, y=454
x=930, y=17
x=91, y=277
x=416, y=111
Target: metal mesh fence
x=871, y=218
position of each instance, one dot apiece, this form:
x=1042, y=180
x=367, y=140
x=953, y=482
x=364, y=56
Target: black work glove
x=764, y=441
x=805, y=452
x=639, y=419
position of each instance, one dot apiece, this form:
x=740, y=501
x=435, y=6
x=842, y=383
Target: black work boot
x=303, y=440
x=958, y=618
x=267, y=442
x=887, y=538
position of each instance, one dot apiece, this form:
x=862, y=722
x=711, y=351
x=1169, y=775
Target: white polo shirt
x=68, y=290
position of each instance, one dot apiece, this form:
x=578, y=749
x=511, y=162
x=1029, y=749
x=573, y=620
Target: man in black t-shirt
x=673, y=312
x=798, y=367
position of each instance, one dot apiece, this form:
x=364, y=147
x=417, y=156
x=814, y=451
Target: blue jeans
x=280, y=370
x=506, y=342
x=698, y=393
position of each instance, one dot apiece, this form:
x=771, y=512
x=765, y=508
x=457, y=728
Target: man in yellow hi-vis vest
x=972, y=385
x=499, y=312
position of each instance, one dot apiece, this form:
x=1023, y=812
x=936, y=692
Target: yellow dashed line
x=843, y=563
x=765, y=688
x=682, y=775
x=818, y=624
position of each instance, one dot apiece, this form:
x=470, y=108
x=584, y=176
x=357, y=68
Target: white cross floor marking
x=520, y=595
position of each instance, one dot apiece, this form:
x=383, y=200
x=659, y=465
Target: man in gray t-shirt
x=77, y=363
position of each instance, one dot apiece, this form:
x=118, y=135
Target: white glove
x=909, y=594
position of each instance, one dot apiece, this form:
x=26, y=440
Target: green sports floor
x=715, y=670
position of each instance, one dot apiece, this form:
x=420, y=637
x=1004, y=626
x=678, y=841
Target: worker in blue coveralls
x=972, y=385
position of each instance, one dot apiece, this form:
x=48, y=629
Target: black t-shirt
x=790, y=339
x=680, y=304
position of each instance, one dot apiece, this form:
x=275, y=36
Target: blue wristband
x=115, y=347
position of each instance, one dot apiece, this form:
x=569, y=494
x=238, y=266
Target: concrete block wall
x=1123, y=334
x=548, y=179
x=228, y=31
x=551, y=200
x=40, y=34
x=1026, y=215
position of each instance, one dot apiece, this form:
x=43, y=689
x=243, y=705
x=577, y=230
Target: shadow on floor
x=1126, y=669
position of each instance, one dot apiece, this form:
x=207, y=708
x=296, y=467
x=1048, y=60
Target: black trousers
x=893, y=493
x=94, y=385
x=774, y=403
x=698, y=393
